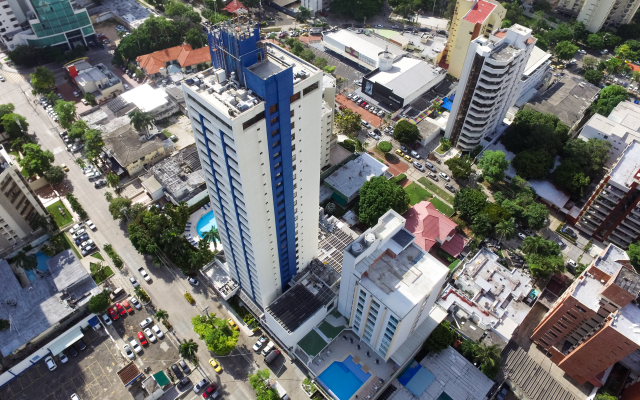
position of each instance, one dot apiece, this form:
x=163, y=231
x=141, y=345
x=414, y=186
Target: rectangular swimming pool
x=343, y=379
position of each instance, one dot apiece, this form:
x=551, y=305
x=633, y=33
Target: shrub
x=385, y=146
x=398, y=179
x=117, y=261
x=189, y=298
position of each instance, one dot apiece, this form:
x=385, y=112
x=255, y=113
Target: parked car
x=127, y=306
x=210, y=392
x=259, y=343
x=215, y=365
x=185, y=367
x=135, y=303
x=193, y=281
x=273, y=354
x=76, y=228
x=120, y=309
x=418, y=166
x=129, y=352
x=136, y=347
x=433, y=176
x=522, y=235
x=233, y=324
x=444, y=176
x=146, y=322
x=430, y=166
x=142, y=339
x=450, y=188
x=200, y=385
x=90, y=225
x=113, y=313
x=373, y=135
x=176, y=371
x=50, y=363
x=100, y=183
x=79, y=233
x=106, y=319
x=157, y=331
x=133, y=281
x=89, y=249
x=76, y=94
x=150, y=335
x=184, y=382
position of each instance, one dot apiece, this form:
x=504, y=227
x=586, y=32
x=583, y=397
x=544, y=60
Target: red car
x=363, y=104
x=121, y=310
x=113, y=313
x=127, y=306
x=143, y=340
x=209, y=391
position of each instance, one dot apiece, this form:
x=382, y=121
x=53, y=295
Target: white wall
x=291, y=339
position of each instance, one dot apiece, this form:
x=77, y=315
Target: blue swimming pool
x=344, y=378
x=205, y=223
x=42, y=265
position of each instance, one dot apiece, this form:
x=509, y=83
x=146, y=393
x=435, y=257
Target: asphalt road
x=168, y=286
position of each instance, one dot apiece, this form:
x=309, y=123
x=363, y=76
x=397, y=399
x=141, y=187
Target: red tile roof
x=184, y=54
x=233, y=6
x=429, y=226
x=500, y=34
x=479, y=12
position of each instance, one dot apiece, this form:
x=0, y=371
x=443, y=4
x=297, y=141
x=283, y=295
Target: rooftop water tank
x=385, y=60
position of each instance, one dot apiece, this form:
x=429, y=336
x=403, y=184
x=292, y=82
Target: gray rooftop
x=39, y=306
x=349, y=179
x=181, y=174
x=66, y=269
x=567, y=99
x=504, y=52
x=126, y=145
x=333, y=237
x=407, y=75
x=627, y=170
x=128, y=10
x=627, y=322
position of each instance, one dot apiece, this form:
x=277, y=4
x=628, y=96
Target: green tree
x=48, y=251
x=162, y=315
x=489, y=359
x=592, y=155
x=589, y=62
x=593, y=76
x=66, y=111
x=76, y=206
x=595, y=42
x=27, y=262
x=15, y=125
x=216, y=333
x=348, y=122
x=624, y=52
x=358, y=9
x=77, y=129
x=377, y=196
x=6, y=109
x=303, y=14
x=54, y=175
x=189, y=349
x=460, y=166
x=469, y=203
x=35, y=161
x=482, y=225
x=42, y=80
x=610, y=97
x=532, y=130
x=565, y=50
x=118, y=207
x=541, y=43
x=634, y=255
x=543, y=256
x=261, y=385
x=196, y=38
x=99, y=303
x=533, y=164
x=141, y=120
x=605, y=396
x=385, y=146
x=493, y=164
x=93, y=143
x=406, y=132
x=445, y=144
x=321, y=62
x=506, y=229
x=307, y=55
x=113, y=180
x=440, y=338
x=536, y=215
x=90, y=99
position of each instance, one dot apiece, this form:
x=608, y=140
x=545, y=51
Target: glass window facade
x=57, y=16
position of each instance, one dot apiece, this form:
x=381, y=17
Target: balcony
x=482, y=107
x=477, y=120
x=626, y=230
x=613, y=193
x=622, y=236
x=478, y=113
x=596, y=214
x=488, y=85
x=589, y=219
x=633, y=219
x=585, y=227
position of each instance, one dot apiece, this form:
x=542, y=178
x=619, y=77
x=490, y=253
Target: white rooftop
x=495, y=291
x=537, y=58
x=586, y=292
x=369, y=46
x=608, y=260
x=407, y=75
x=627, y=322
x=626, y=170
x=350, y=177
x=627, y=114
x=145, y=97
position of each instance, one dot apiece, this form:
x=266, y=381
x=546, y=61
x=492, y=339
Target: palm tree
x=533, y=244
x=486, y=353
x=48, y=250
x=162, y=315
x=506, y=229
x=58, y=241
x=26, y=261
x=141, y=120
x=212, y=235
x=189, y=349
x=482, y=225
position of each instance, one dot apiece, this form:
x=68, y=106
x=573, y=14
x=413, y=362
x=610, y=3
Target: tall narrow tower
x=256, y=119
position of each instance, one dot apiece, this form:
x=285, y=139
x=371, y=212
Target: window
x=274, y=120
x=292, y=113
x=310, y=88
x=293, y=125
x=293, y=147
x=294, y=98
x=276, y=155
x=276, y=143
x=252, y=121
x=273, y=108
x=275, y=132
x=293, y=136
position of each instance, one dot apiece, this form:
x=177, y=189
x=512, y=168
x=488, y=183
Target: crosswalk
x=12, y=77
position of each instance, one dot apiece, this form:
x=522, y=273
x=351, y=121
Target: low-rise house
x=347, y=180
x=431, y=227
x=181, y=59
x=97, y=80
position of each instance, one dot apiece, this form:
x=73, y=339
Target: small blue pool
x=42, y=265
x=205, y=223
x=344, y=378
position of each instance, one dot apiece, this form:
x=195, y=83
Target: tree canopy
x=533, y=164
x=348, y=122
x=260, y=383
x=543, y=256
x=15, y=125
x=440, y=338
x=593, y=76
x=377, y=196
x=358, y=9
x=42, y=80
x=35, y=161
x=55, y=175
x=216, y=333
x=634, y=255
x=532, y=130
x=493, y=164
x=66, y=111
x=406, y=132
x=460, y=166
x=469, y=203
x=565, y=50
x=99, y=303
x=610, y=97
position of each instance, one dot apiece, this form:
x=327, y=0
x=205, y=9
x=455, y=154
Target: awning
x=95, y=321
x=66, y=340
x=161, y=378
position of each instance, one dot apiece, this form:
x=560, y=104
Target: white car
x=63, y=358
x=136, y=346
x=91, y=225
x=79, y=233
x=571, y=262
x=582, y=51
x=150, y=335
x=134, y=282
x=76, y=94
x=75, y=397
x=522, y=236
x=50, y=363
x=444, y=176
x=75, y=228
x=146, y=323
x=107, y=321
x=193, y=281
x=134, y=302
x=415, y=155
x=92, y=175
x=86, y=243
x=157, y=331
x=129, y=352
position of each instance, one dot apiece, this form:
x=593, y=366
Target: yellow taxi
x=64, y=167
x=408, y=158
x=400, y=153
x=232, y=324
x=215, y=365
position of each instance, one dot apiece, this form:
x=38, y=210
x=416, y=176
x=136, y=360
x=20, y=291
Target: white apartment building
x=327, y=138
x=489, y=85
x=600, y=14
x=388, y=286
x=257, y=129
x=316, y=5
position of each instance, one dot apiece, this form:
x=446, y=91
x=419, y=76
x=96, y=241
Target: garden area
x=100, y=272
x=436, y=189
x=451, y=261
x=246, y=316
x=60, y=214
x=416, y=193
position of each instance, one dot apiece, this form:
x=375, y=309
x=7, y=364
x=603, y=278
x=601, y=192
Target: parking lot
x=91, y=375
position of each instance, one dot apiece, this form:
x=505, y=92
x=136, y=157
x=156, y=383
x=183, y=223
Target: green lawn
x=442, y=206
x=436, y=189
x=453, y=265
x=98, y=256
x=99, y=275
x=416, y=193
x=72, y=245
x=312, y=343
x=329, y=330
x=60, y=220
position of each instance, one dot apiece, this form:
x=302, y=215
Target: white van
x=268, y=348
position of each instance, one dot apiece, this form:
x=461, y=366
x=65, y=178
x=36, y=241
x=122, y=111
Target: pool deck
x=191, y=231
x=339, y=349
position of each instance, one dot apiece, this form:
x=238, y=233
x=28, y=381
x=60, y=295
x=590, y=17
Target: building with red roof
x=179, y=59
x=235, y=7
x=430, y=226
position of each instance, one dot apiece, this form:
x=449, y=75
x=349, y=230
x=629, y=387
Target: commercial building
x=594, y=323
x=568, y=99
x=597, y=15
x=327, y=138
x=179, y=59
x=486, y=296
x=612, y=213
x=400, y=82
x=388, y=286
x=489, y=85
x=60, y=23
x=19, y=206
x=155, y=101
x=346, y=182
x=57, y=293
x=97, y=80
x=472, y=19
x=258, y=135
x=537, y=68
x=362, y=49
